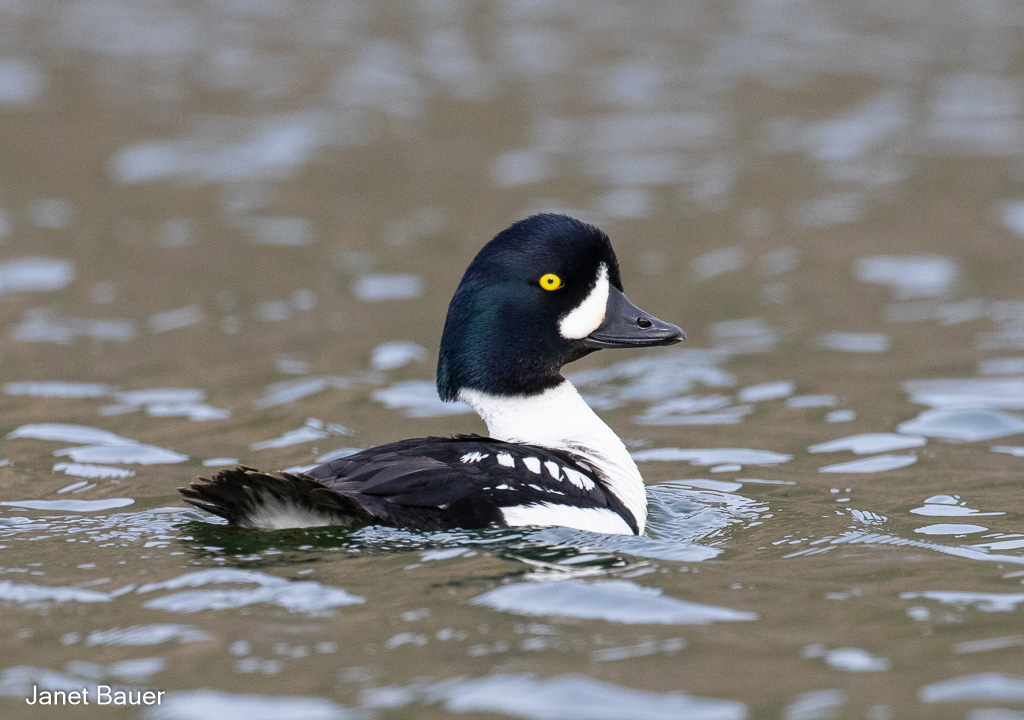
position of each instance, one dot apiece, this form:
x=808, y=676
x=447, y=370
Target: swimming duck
x=544, y=292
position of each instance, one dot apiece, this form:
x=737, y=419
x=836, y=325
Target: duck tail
x=273, y=501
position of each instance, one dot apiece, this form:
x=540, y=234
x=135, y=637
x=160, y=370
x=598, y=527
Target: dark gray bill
x=626, y=325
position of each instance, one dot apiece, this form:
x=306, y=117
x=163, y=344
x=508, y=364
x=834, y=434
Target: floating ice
x=220, y=462
x=718, y=262
x=724, y=486
x=766, y=391
x=223, y=149
x=281, y=231
x=1013, y=217
x=987, y=645
x=950, y=529
x=1006, y=393
x=854, y=342
x=372, y=288
x=57, y=389
x=384, y=76
x=52, y=213
x=815, y=704
x=197, y=412
x=652, y=377
x=983, y=687
x=909, y=276
x=967, y=424
x=840, y=416
x=879, y=463
x=21, y=82
x=713, y=456
x=975, y=114
x=811, y=401
x=128, y=453
x=77, y=487
x=749, y=335
x=288, y=391
x=67, y=433
x=611, y=600
x=71, y=505
x=985, y=602
x=656, y=131
x=274, y=311
x=624, y=202
x=851, y=659
x=161, y=395
x=42, y=325
x=35, y=274
x=520, y=167
x=313, y=430
x=1002, y=366
x=175, y=319
x=34, y=595
x=629, y=168
x=396, y=354
x=869, y=443
x=144, y=635
x=204, y=704
x=831, y=209
x=1016, y=451
x=570, y=697
x=92, y=471
x=628, y=652
x=307, y=597
x=694, y=410
x=418, y=398
x=166, y=402
x=948, y=506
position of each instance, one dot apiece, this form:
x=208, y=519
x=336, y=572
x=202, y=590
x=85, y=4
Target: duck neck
x=560, y=419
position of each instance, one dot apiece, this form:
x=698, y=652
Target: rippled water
x=228, y=233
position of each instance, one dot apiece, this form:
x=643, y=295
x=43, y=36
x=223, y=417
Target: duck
x=544, y=292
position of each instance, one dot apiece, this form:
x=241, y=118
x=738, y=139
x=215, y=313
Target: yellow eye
x=551, y=282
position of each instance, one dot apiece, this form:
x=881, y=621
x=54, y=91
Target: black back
x=428, y=483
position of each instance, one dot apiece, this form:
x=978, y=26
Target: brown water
x=232, y=206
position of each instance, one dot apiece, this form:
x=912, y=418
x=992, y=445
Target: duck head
x=544, y=292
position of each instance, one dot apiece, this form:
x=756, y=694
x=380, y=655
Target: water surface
x=229, y=232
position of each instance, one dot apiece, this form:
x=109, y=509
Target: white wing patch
x=579, y=479
x=474, y=457
x=585, y=317
x=532, y=464
x=600, y=520
x=553, y=469
x=506, y=459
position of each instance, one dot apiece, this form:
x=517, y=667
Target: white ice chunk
x=373, y=288
x=21, y=82
x=854, y=342
x=766, y=391
x=57, y=389
x=950, y=529
x=36, y=274
x=396, y=354
x=909, y=276
x=879, y=463
x=418, y=398
x=967, y=424
x=713, y=456
x=870, y=443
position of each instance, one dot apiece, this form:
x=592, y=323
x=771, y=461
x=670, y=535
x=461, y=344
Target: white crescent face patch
x=589, y=314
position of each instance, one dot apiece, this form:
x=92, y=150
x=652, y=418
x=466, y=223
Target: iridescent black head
x=544, y=292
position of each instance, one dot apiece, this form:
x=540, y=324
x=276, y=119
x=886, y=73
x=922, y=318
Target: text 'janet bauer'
x=105, y=695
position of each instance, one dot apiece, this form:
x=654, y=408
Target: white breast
x=560, y=419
